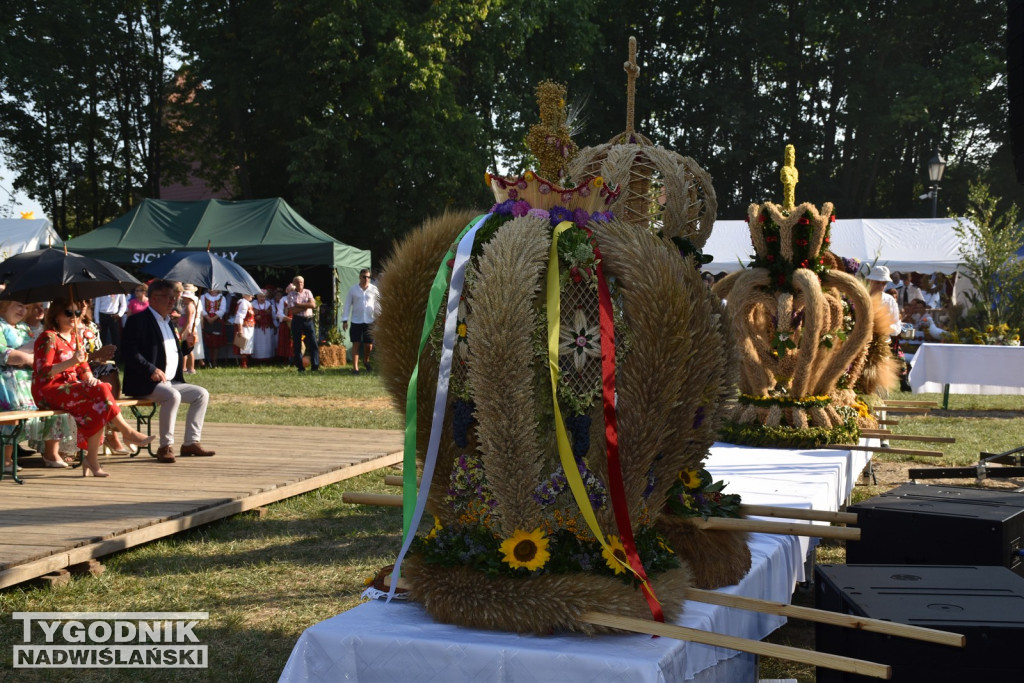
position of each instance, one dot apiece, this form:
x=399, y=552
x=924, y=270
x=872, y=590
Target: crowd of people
x=63, y=356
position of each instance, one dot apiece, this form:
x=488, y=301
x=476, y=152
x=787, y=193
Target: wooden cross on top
x=632, y=71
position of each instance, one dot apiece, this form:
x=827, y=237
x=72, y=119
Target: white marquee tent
x=18, y=235
x=926, y=245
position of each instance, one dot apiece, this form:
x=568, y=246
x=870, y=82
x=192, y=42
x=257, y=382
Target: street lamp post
x=936, y=166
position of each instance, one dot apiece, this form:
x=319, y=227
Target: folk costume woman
x=284, y=325
x=62, y=380
x=264, y=340
x=215, y=307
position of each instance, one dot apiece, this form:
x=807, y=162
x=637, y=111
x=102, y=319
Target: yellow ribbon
x=572, y=473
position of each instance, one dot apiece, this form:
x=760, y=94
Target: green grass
x=265, y=579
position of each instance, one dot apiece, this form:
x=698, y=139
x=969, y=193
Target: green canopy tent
x=259, y=232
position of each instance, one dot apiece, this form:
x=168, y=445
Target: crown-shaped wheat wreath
x=559, y=404
x=800, y=326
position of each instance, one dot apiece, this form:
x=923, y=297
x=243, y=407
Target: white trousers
x=169, y=396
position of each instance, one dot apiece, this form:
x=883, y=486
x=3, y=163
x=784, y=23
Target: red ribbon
x=616, y=488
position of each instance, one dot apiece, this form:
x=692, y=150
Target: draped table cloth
x=968, y=369
x=400, y=642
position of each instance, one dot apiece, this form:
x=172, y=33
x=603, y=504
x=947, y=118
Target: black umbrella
x=204, y=269
x=16, y=265
x=54, y=273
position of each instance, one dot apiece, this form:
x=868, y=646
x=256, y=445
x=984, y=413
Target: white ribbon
x=444, y=371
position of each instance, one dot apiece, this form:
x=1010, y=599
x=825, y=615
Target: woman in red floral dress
x=61, y=380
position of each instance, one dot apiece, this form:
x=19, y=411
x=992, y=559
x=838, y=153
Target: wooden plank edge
x=36, y=568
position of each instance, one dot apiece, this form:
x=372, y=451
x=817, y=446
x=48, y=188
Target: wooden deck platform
x=57, y=519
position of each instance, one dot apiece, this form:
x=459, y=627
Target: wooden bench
x=17, y=418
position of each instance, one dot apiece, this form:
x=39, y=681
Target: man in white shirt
x=361, y=308
x=110, y=310
x=153, y=362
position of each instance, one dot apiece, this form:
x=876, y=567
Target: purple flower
x=544, y=189
x=520, y=208
x=504, y=208
x=601, y=216
x=538, y=213
x=580, y=217
x=559, y=214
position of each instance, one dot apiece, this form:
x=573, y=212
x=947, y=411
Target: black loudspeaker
x=1015, y=81
x=918, y=524
x=985, y=604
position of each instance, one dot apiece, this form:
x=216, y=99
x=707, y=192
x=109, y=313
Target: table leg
x=12, y=440
x=147, y=420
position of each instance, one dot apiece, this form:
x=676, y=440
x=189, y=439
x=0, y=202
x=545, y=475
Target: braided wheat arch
x=508, y=280
x=856, y=340
x=676, y=371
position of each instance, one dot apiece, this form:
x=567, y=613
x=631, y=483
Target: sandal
x=138, y=439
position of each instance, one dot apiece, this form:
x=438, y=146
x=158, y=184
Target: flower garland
x=784, y=401
x=526, y=554
x=517, y=208
x=695, y=494
x=788, y=437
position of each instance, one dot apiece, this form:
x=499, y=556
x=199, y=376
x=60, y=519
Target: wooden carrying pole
x=824, y=617
x=713, y=523
x=928, y=635
x=798, y=513
x=761, y=526
x=883, y=449
x=654, y=628
x=745, y=510
x=757, y=647
x=885, y=434
x=903, y=409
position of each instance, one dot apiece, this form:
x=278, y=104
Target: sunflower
x=615, y=555
x=529, y=550
x=690, y=479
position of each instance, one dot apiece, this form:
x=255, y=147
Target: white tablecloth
x=400, y=642
x=968, y=369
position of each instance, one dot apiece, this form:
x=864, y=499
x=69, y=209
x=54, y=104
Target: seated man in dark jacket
x=153, y=357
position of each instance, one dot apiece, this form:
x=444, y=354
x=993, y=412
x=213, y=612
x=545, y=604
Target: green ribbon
x=434, y=300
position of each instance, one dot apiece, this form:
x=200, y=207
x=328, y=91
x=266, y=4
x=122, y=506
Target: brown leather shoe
x=196, y=449
x=165, y=454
